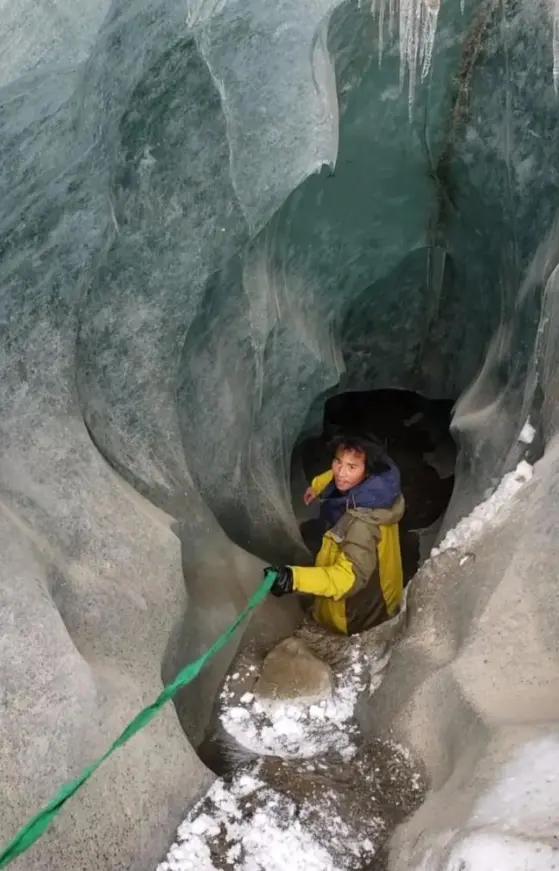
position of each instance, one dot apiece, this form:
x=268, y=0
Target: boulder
x=291, y=671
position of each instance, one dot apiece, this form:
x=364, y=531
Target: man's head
x=353, y=460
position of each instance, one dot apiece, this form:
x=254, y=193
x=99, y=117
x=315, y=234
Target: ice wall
x=210, y=217
x=472, y=688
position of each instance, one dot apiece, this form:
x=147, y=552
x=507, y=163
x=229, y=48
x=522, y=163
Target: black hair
x=376, y=460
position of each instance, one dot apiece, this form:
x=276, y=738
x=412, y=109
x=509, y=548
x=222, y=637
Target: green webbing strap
x=37, y=825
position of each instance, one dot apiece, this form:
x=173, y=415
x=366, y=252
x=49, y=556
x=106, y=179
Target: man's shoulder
x=320, y=482
x=359, y=523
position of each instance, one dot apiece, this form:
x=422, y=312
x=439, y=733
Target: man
x=357, y=578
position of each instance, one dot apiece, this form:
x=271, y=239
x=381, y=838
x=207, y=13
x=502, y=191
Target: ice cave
x=219, y=220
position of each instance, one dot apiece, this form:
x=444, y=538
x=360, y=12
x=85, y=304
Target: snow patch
x=295, y=730
x=514, y=825
x=527, y=433
x=470, y=528
x=526, y=796
x=250, y=827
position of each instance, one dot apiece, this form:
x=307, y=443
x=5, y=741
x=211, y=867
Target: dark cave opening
x=415, y=432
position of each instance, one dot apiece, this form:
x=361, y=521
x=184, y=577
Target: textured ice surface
x=474, y=689
x=211, y=215
x=36, y=36
x=512, y=824
x=278, y=91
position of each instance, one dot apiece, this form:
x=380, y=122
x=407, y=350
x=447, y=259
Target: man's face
x=348, y=468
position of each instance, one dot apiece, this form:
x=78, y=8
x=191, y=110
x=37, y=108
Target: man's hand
x=309, y=496
x=283, y=584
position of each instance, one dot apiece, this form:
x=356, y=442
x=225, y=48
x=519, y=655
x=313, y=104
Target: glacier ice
x=511, y=825
x=474, y=689
x=212, y=216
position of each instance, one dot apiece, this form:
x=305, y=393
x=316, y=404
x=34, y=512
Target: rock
x=291, y=671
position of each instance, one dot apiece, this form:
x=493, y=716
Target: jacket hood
x=377, y=492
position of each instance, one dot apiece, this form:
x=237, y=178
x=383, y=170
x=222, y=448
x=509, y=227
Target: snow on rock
x=291, y=729
x=247, y=826
x=527, y=433
x=283, y=815
x=471, y=527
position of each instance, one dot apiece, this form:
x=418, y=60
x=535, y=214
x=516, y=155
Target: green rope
x=38, y=824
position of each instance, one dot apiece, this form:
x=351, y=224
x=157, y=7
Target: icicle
x=411, y=13
x=555, y=18
x=417, y=23
x=381, y=31
x=378, y=8
x=392, y=16
x=429, y=30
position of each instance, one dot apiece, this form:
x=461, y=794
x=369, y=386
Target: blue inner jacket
x=376, y=491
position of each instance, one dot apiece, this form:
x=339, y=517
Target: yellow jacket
x=357, y=579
